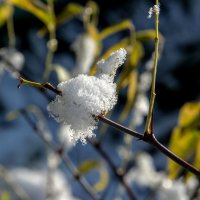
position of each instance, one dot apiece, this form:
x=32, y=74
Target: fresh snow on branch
x=110, y=65
x=85, y=97
x=155, y=9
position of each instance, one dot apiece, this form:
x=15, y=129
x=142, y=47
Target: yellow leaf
x=41, y=14
x=189, y=114
x=90, y=165
x=136, y=54
x=127, y=24
x=146, y=35
x=121, y=44
x=70, y=11
x=185, y=139
x=182, y=144
x=134, y=57
x=5, y=13
x=5, y=196
x=91, y=13
x=103, y=180
x=62, y=73
x=124, y=78
x=132, y=88
x=197, y=154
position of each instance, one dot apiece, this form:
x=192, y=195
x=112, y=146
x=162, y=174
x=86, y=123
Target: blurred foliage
x=70, y=11
x=5, y=196
x=185, y=139
x=38, y=9
x=5, y=13
x=89, y=165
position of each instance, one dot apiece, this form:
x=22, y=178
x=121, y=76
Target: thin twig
x=39, y=85
x=118, y=173
x=150, y=138
x=10, y=28
x=52, y=43
x=156, y=54
x=17, y=189
x=66, y=160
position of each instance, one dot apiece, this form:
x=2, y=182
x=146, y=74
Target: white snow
x=84, y=98
x=12, y=56
x=110, y=65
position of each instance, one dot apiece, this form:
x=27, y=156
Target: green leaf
x=5, y=13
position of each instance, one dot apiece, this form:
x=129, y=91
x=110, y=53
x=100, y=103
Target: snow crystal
x=155, y=9
x=84, y=98
x=110, y=65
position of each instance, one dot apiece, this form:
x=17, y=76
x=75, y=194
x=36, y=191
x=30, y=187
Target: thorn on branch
x=150, y=131
x=20, y=82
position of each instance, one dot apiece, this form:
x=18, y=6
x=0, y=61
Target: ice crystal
x=155, y=9
x=84, y=98
x=110, y=65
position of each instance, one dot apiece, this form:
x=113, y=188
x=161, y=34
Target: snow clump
x=85, y=97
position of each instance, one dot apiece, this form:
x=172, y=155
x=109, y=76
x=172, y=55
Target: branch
x=153, y=94
x=117, y=172
x=150, y=138
x=66, y=160
x=39, y=85
x=52, y=43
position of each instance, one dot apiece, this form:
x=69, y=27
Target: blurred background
x=56, y=40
